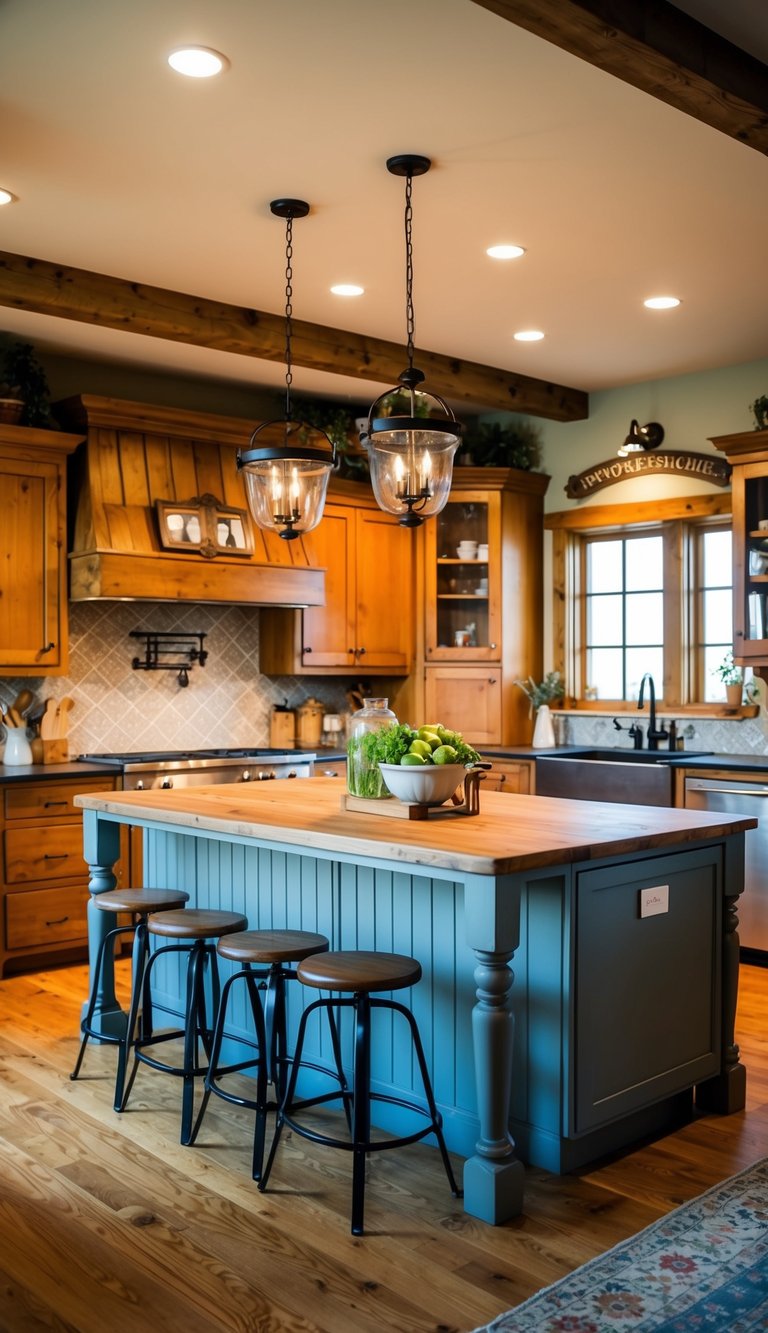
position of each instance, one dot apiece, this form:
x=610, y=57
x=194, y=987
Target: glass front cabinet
x=463, y=576
x=748, y=454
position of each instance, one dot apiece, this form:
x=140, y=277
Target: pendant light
x=287, y=463
x=411, y=452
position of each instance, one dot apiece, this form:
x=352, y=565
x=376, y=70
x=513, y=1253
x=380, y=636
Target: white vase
x=543, y=731
x=17, y=748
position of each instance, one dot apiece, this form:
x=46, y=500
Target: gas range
x=144, y=770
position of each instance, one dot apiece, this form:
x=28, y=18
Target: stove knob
x=140, y=784
x=246, y=777
x=292, y=774
x=166, y=782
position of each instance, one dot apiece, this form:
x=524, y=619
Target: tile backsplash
x=227, y=701
x=747, y=735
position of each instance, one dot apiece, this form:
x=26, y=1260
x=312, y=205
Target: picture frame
x=204, y=525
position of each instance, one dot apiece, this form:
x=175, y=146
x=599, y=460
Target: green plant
x=502, y=444
x=729, y=673
x=398, y=404
x=23, y=377
x=335, y=421
x=546, y=691
x=759, y=410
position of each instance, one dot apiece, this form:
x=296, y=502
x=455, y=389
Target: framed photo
x=204, y=524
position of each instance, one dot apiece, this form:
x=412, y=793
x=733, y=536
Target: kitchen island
x=621, y=921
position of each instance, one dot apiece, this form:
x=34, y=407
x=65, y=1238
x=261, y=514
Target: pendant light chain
x=409, y=317
x=288, y=313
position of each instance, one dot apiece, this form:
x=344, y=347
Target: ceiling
x=125, y=168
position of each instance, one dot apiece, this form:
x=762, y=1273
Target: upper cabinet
x=748, y=454
x=463, y=579
x=33, y=566
x=366, y=625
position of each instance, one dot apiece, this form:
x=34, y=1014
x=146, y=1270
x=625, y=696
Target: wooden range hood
x=135, y=454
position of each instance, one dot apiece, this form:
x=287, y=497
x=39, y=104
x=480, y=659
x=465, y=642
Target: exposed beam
x=661, y=50
x=116, y=303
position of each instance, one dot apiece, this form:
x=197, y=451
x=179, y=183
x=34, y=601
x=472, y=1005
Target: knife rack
x=160, y=644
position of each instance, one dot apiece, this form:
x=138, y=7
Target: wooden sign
x=659, y=463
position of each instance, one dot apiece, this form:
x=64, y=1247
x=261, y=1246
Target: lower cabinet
x=330, y=768
x=511, y=775
x=43, y=877
x=466, y=699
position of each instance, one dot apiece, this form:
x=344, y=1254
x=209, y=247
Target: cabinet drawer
x=43, y=854
x=30, y=800
x=330, y=768
x=510, y=776
x=45, y=916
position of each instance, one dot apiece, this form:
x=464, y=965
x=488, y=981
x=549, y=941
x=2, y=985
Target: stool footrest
x=367, y=1145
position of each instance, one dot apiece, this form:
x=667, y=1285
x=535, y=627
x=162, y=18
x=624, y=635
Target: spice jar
x=364, y=777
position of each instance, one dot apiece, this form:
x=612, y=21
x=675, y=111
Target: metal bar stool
x=197, y=931
x=272, y=949
x=139, y=903
x=360, y=973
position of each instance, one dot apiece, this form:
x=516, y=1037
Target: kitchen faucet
x=655, y=734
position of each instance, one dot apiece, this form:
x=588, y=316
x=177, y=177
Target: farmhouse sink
x=633, y=777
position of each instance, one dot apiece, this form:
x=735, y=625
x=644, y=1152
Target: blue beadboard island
x=620, y=921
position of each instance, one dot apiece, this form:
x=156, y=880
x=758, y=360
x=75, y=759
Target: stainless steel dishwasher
x=742, y=797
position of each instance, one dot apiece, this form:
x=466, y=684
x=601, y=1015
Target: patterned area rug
x=701, y=1269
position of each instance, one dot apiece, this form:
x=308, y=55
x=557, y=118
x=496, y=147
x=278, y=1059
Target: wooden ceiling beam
x=662, y=51
x=132, y=307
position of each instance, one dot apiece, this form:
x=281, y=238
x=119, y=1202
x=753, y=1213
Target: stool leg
x=88, y=1018
x=260, y=1126
x=194, y=1020
x=274, y=1019
x=437, y=1119
x=336, y=1047
x=140, y=953
x=213, y=1059
x=289, y=1093
x=361, y=1108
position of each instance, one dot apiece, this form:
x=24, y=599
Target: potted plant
x=24, y=395
x=540, y=695
x=501, y=444
x=759, y=410
x=732, y=677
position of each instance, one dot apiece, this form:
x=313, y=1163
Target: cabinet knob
x=306, y=650
x=361, y=652
x=492, y=645
x=47, y=649
x=491, y=680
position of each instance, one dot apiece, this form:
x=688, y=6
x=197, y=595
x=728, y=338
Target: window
x=646, y=596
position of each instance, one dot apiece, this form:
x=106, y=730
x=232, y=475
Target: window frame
x=679, y=520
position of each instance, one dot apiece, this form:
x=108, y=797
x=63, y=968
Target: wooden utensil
x=62, y=716
x=48, y=720
x=22, y=701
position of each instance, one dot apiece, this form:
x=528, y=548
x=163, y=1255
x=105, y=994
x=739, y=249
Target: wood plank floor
x=106, y=1223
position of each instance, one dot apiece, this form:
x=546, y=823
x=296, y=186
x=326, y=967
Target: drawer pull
x=46, y=804
x=58, y=922
x=55, y=856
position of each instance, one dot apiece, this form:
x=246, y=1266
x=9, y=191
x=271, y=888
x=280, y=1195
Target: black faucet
x=655, y=734
x=635, y=732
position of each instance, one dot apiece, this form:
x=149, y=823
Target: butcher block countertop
x=512, y=833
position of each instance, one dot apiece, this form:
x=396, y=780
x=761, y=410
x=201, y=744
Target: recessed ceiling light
x=197, y=62
x=6, y=197
x=529, y=336
x=347, y=289
x=661, y=302
x=505, y=251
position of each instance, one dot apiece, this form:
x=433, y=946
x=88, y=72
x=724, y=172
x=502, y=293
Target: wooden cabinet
x=748, y=454
x=515, y=776
x=33, y=568
x=330, y=768
x=43, y=877
x=483, y=608
x=366, y=625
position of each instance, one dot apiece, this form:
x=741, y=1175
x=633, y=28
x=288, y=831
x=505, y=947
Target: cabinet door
x=511, y=776
x=463, y=604
x=384, y=563
x=30, y=568
x=328, y=632
x=750, y=563
x=466, y=699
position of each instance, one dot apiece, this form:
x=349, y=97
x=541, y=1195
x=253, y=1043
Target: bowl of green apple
x=423, y=765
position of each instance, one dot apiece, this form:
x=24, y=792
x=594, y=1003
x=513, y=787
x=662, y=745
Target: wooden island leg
x=493, y=1177
x=727, y=1091
x=101, y=849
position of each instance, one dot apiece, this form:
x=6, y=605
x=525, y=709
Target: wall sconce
x=641, y=438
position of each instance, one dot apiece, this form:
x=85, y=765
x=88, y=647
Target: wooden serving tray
x=396, y=809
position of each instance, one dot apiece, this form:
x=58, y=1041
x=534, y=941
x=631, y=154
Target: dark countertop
x=53, y=772
x=738, y=763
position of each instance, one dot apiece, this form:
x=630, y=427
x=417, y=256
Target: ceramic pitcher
x=17, y=747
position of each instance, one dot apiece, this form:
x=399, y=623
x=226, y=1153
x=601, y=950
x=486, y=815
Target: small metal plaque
x=655, y=901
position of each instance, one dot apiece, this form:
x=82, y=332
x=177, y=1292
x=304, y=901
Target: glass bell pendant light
x=287, y=463
x=411, y=450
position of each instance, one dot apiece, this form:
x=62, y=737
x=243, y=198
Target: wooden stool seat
x=271, y=946
x=194, y=923
x=359, y=970
x=140, y=900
